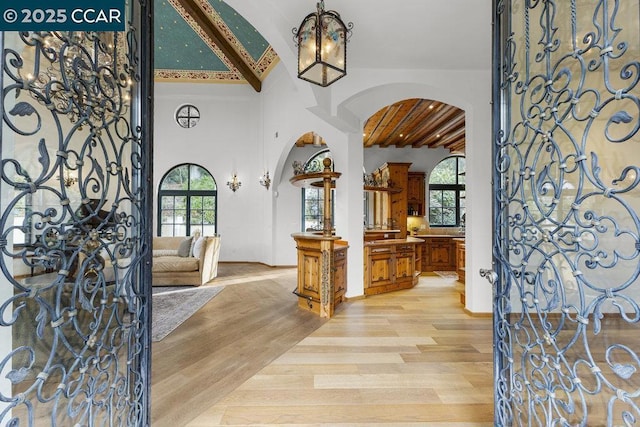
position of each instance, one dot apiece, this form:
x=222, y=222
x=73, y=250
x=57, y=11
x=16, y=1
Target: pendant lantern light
x=322, y=46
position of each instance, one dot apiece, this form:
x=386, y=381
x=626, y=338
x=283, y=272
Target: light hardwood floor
x=251, y=357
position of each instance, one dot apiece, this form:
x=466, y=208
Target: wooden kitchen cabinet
x=391, y=208
x=381, y=267
x=389, y=265
x=416, y=193
x=460, y=259
x=439, y=253
x=404, y=262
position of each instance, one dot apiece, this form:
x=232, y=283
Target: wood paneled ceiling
x=416, y=123
x=411, y=123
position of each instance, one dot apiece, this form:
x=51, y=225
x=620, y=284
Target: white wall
x=421, y=159
x=246, y=131
x=226, y=140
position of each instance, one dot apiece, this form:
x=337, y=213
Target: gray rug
x=173, y=305
x=447, y=274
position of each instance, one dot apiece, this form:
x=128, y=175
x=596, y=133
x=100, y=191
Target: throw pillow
x=165, y=252
x=196, y=236
x=185, y=247
x=197, y=247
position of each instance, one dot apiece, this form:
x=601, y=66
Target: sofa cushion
x=184, y=250
x=168, y=242
x=175, y=264
x=165, y=252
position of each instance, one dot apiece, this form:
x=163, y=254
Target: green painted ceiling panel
x=183, y=52
x=246, y=34
x=177, y=46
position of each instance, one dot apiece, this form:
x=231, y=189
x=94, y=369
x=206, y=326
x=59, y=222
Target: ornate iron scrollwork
x=73, y=230
x=567, y=229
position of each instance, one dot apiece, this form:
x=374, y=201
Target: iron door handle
x=490, y=275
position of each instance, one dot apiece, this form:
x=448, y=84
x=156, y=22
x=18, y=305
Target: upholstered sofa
x=189, y=261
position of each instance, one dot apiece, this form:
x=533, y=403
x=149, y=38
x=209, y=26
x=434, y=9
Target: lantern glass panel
x=307, y=44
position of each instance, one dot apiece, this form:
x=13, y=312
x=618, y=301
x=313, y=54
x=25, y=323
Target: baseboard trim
x=483, y=315
x=257, y=262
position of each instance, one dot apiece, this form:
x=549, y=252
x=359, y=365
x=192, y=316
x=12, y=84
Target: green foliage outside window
x=447, y=193
x=187, y=201
x=313, y=198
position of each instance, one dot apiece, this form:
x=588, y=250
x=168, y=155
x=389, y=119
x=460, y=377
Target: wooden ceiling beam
x=396, y=128
x=211, y=30
x=307, y=139
x=458, y=147
x=419, y=121
x=371, y=125
x=452, y=124
x=450, y=138
x=381, y=126
x=418, y=114
x=436, y=116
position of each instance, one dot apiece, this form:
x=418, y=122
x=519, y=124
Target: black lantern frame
x=322, y=46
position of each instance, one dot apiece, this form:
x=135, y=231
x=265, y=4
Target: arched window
x=447, y=193
x=313, y=198
x=187, y=201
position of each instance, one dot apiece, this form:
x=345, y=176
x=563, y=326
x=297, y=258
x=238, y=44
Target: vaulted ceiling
x=208, y=41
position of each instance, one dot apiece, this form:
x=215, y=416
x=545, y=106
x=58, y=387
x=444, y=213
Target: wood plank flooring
x=251, y=357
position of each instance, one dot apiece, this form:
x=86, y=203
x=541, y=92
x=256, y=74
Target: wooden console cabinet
x=322, y=272
x=390, y=265
x=322, y=257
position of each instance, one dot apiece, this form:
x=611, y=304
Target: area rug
x=173, y=305
x=447, y=274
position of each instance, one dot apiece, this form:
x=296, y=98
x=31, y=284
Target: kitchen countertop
x=314, y=236
x=386, y=242
x=453, y=236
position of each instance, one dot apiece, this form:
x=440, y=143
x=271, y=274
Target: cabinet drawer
x=383, y=250
x=434, y=241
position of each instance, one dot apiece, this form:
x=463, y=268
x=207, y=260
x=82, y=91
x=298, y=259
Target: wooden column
x=319, y=288
x=327, y=176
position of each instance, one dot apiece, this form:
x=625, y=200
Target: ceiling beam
x=211, y=30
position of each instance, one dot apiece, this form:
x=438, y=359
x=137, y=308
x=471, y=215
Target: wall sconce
x=265, y=181
x=69, y=178
x=234, y=184
x=322, y=46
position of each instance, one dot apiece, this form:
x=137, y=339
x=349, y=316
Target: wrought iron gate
x=75, y=231
x=567, y=232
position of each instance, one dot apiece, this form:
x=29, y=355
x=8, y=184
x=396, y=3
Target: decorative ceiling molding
x=205, y=21
x=201, y=18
